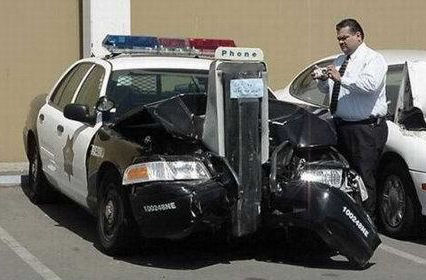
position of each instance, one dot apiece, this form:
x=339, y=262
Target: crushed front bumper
x=331, y=213
x=176, y=209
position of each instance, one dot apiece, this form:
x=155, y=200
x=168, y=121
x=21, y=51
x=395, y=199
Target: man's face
x=348, y=41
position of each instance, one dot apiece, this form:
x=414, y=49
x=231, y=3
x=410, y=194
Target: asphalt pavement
x=58, y=241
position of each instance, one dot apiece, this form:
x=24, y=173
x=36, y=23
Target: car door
x=49, y=126
x=305, y=88
x=393, y=85
x=411, y=104
x=77, y=136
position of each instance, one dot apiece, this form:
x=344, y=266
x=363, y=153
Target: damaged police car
x=161, y=139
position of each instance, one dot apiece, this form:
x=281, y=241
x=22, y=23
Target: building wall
x=292, y=33
x=39, y=39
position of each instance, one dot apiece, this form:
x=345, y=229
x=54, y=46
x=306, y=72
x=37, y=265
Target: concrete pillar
x=102, y=17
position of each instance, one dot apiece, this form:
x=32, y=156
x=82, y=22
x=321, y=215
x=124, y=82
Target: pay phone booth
x=236, y=126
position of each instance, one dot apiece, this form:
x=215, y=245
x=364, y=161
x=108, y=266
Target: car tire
x=37, y=189
x=398, y=206
x=115, y=225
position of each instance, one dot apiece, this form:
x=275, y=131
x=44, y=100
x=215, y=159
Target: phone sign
x=247, y=88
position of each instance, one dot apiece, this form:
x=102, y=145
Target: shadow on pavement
x=69, y=215
x=199, y=252
x=300, y=249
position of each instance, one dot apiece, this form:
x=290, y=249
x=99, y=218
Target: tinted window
x=65, y=91
x=90, y=90
x=306, y=89
x=393, y=83
x=132, y=88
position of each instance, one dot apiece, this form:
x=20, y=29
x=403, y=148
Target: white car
x=402, y=169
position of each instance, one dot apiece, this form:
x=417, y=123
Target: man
x=356, y=83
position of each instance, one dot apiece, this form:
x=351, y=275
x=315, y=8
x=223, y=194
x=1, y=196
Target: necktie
x=336, y=87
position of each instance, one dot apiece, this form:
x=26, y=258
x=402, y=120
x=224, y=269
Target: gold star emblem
x=68, y=156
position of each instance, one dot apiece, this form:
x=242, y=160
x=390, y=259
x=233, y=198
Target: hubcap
x=109, y=212
x=393, y=201
x=34, y=168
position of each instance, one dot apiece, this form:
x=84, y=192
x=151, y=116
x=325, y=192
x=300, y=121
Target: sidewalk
x=11, y=172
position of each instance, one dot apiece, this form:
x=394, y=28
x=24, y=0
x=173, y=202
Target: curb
x=11, y=173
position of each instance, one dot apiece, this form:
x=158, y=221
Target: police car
x=402, y=172
x=166, y=137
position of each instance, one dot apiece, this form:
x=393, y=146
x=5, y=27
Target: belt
x=371, y=120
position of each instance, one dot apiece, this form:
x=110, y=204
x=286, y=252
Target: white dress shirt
x=362, y=92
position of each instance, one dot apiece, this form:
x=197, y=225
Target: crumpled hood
x=293, y=123
x=183, y=117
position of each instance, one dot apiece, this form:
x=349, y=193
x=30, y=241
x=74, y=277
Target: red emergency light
x=210, y=44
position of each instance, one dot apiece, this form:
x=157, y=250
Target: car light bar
x=125, y=44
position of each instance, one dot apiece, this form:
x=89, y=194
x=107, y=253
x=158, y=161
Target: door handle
x=41, y=117
x=60, y=128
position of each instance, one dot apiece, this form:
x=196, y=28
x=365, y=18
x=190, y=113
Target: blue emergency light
x=129, y=42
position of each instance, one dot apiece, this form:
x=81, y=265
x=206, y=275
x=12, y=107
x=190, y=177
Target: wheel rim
x=393, y=201
x=109, y=212
x=110, y=215
x=34, y=166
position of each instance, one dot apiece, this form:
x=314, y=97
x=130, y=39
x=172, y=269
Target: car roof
x=400, y=56
x=392, y=56
x=159, y=62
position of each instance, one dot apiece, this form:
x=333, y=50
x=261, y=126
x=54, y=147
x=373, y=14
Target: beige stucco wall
x=291, y=33
x=39, y=38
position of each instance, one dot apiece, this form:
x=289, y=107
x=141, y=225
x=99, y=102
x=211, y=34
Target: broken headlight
x=353, y=180
x=165, y=171
x=330, y=176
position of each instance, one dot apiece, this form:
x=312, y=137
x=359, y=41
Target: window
x=90, y=90
x=64, y=92
x=393, y=83
x=306, y=89
x=132, y=88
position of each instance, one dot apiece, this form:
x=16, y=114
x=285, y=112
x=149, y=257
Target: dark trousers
x=362, y=145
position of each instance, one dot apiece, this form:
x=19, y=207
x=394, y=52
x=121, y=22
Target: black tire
x=37, y=189
x=398, y=205
x=115, y=226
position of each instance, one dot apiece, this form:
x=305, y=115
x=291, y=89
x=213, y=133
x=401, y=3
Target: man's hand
x=319, y=73
x=333, y=74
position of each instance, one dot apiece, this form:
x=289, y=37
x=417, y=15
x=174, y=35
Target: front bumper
x=176, y=209
x=331, y=213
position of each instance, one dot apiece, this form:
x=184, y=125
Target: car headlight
x=332, y=177
x=165, y=171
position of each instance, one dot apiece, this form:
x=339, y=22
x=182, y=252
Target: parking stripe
x=403, y=254
x=8, y=180
x=27, y=257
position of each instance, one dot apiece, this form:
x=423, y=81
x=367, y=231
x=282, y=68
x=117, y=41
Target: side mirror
x=412, y=119
x=104, y=104
x=79, y=112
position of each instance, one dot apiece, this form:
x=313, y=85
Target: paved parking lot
x=57, y=241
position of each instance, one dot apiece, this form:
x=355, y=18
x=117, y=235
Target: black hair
x=352, y=24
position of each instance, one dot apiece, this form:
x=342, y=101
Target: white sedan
x=402, y=170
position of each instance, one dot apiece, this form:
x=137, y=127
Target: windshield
x=135, y=87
